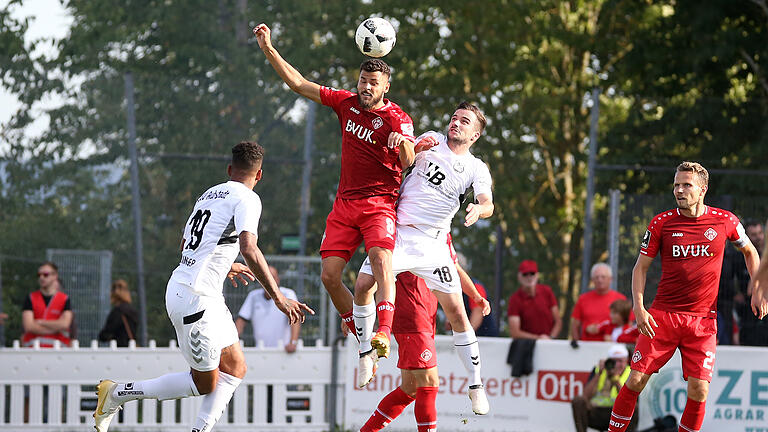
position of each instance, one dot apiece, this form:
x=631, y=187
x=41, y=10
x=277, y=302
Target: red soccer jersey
x=415, y=306
x=368, y=166
x=535, y=311
x=691, y=258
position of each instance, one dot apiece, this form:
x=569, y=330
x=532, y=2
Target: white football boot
x=366, y=368
x=479, y=399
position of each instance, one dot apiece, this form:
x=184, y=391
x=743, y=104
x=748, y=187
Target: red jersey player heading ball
x=377, y=143
x=691, y=241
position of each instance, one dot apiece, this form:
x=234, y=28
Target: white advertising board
x=540, y=402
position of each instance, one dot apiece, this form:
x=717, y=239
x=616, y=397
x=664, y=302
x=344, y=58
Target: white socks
x=365, y=320
x=469, y=353
x=215, y=402
x=168, y=386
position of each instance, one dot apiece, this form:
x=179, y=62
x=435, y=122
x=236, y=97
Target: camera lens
x=609, y=364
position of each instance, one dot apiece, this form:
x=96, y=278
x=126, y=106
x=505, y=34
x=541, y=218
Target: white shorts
x=203, y=325
x=427, y=256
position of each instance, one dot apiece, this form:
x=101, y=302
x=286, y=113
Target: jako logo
x=560, y=386
x=386, y=306
x=359, y=131
x=690, y=250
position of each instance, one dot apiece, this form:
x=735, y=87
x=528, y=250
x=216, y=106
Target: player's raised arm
x=645, y=321
x=288, y=73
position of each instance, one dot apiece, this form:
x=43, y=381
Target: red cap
x=528, y=266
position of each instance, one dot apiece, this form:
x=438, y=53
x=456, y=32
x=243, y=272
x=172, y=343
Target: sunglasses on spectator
x=43, y=274
x=529, y=273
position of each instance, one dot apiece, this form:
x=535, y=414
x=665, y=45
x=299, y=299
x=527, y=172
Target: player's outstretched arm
x=288, y=73
x=760, y=288
x=468, y=287
x=645, y=322
x=483, y=209
x=258, y=264
x=407, y=154
x=240, y=273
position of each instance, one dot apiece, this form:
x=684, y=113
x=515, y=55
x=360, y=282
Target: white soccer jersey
x=211, y=236
x=431, y=194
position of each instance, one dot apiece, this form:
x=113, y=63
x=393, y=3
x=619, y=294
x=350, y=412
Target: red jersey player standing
x=414, y=329
x=377, y=142
x=691, y=241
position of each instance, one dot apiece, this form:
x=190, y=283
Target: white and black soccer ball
x=375, y=37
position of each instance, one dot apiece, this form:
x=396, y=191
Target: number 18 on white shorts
x=425, y=253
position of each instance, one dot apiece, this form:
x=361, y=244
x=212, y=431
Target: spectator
x=270, y=325
x=753, y=331
x=593, y=307
x=122, y=320
x=619, y=328
x=533, y=312
x=593, y=408
x=47, y=314
x=484, y=325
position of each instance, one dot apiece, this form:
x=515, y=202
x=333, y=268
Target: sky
x=49, y=20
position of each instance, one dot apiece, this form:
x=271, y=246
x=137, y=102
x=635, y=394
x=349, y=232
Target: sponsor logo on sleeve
x=646, y=239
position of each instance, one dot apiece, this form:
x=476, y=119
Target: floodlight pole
x=306, y=179
x=587, y=254
x=131, y=121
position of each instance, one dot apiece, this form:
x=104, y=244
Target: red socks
x=385, y=312
x=623, y=408
x=425, y=410
x=389, y=408
x=349, y=320
x=693, y=416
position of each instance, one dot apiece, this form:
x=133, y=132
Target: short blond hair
x=697, y=169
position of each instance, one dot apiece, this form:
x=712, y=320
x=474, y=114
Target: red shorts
x=352, y=221
x=416, y=350
x=695, y=336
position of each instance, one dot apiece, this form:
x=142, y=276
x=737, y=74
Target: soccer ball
x=375, y=37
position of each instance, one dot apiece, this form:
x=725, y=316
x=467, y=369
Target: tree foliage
x=678, y=81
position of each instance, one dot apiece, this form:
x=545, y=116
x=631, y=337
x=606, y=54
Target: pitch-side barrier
x=53, y=389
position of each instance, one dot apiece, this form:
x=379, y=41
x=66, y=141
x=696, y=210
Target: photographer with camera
x=593, y=408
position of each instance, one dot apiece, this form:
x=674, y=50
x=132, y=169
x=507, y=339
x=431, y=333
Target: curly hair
x=247, y=155
x=375, y=65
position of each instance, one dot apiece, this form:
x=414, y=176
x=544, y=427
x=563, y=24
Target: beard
x=684, y=205
x=456, y=140
x=374, y=101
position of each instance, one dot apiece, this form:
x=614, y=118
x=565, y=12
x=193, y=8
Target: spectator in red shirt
x=533, y=312
x=619, y=328
x=593, y=307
